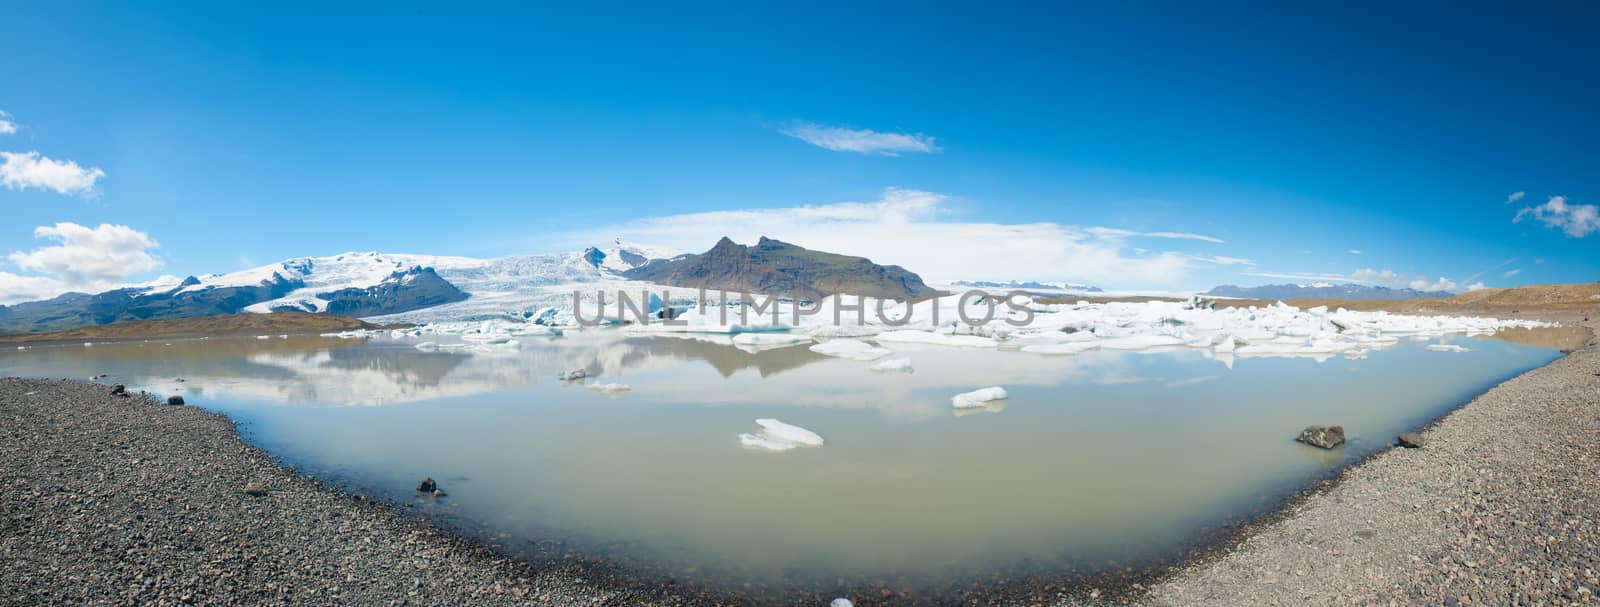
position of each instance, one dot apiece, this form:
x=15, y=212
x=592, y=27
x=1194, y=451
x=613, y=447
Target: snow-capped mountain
x=1031, y=285
x=358, y=284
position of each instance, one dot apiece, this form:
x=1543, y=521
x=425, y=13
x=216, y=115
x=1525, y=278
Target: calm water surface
x=1095, y=458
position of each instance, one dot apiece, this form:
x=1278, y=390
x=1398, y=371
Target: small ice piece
x=263, y=337
x=574, y=374
x=899, y=364
x=1070, y=347
x=841, y=602
x=88, y=344
x=769, y=339
x=853, y=349
x=427, y=346
x=1447, y=348
x=608, y=389
x=977, y=398
x=775, y=435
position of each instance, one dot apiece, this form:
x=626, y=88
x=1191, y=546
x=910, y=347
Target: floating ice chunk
x=977, y=398
x=770, y=339
x=427, y=346
x=853, y=349
x=841, y=602
x=1140, y=342
x=263, y=337
x=775, y=435
x=608, y=389
x=942, y=339
x=574, y=374
x=1447, y=348
x=88, y=344
x=1071, y=347
x=893, y=365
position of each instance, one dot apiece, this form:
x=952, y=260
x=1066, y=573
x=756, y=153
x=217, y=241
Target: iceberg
x=941, y=339
x=853, y=349
x=775, y=435
x=1447, y=348
x=769, y=339
x=611, y=389
x=977, y=398
x=893, y=365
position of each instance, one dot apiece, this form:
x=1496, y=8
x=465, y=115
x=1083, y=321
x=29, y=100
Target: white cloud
x=1577, y=220
x=23, y=170
x=1121, y=233
x=861, y=141
x=7, y=127
x=1511, y=273
x=903, y=228
x=1515, y=196
x=1354, y=251
x=1223, y=260
x=86, y=259
x=1477, y=286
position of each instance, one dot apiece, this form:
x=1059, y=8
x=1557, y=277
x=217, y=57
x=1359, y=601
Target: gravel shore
x=1501, y=506
x=122, y=501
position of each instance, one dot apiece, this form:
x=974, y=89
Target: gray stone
x=1410, y=440
x=174, y=400
x=1326, y=437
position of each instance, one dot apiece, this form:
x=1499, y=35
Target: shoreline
x=479, y=573
x=1434, y=525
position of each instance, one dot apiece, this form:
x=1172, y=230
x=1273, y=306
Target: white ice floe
x=936, y=338
x=853, y=349
x=893, y=365
x=778, y=436
x=1447, y=348
x=611, y=389
x=770, y=339
x=977, y=398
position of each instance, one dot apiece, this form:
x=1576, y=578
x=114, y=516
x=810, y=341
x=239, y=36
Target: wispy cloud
x=1222, y=260
x=1511, y=273
x=23, y=170
x=860, y=141
x=1104, y=232
x=1354, y=251
x=1576, y=220
x=909, y=228
x=7, y=127
x=86, y=259
x=1515, y=196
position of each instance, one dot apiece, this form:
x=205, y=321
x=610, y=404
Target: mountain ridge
x=774, y=267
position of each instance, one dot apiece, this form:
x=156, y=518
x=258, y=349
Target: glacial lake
x=1097, y=462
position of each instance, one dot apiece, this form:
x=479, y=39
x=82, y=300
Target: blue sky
x=1374, y=143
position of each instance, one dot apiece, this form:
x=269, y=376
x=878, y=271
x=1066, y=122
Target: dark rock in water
x=427, y=486
x=174, y=400
x=255, y=489
x=1567, y=350
x=1326, y=437
x=1410, y=440
x=118, y=389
